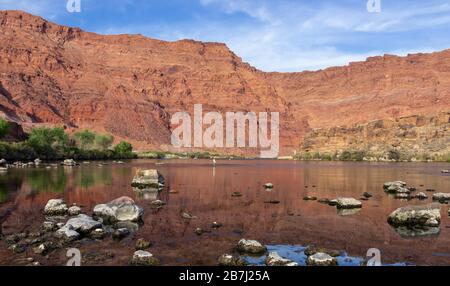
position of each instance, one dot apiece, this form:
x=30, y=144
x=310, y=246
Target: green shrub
x=48, y=143
x=4, y=127
x=84, y=138
x=104, y=141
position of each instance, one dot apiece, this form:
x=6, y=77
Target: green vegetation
x=48, y=142
x=364, y=155
x=4, y=127
x=104, y=141
x=85, y=138
x=55, y=144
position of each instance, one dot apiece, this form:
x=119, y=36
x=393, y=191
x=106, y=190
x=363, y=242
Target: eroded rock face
x=166, y=77
x=416, y=216
x=119, y=210
x=251, y=247
x=55, y=207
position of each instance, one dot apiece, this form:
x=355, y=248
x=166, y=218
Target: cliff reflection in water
x=206, y=192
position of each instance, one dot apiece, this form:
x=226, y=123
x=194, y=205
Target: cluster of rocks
x=400, y=190
x=107, y=219
x=315, y=256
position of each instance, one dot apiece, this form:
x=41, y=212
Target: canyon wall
x=130, y=85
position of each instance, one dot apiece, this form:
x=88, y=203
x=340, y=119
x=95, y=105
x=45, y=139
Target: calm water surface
x=206, y=192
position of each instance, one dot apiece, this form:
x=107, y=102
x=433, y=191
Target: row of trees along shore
x=55, y=144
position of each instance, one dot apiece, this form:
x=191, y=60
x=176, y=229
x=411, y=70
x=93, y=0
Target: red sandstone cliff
x=129, y=85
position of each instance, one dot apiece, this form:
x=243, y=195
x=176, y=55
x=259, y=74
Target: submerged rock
x=442, y=197
x=49, y=226
x=55, y=207
x=120, y=233
x=83, y=224
x=274, y=259
x=311, y=250
x=251, y=247
x=348, y=203
x=413, y=216
x=421, y=196
x=67, y=233
x=142, y=244
x=321, y=259
x=397, y=187
x=147, y=179
x=158, y=203
x=144, y=258
x=230, y=260
x=268, y=186
x=121, y=209
x=367, y=195
x=414, y=232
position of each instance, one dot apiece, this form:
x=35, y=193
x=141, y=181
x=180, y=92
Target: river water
x=205, y=190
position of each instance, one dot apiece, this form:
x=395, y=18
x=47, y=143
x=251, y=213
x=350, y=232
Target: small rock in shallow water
x=17, y=248
x=324, y=201
x=43, y=248
x=55, y=207
x=236, y=195
x=311, y=250
x=251, y=246
x=348, y=203
x=187, y=216
x=445, y=171
x=49, y=226
x=98, y=233
x=402, y=196
x=74, y=211
x=273, y=202
x=310, y=198
x=120, y=233
x=333, y=203
x=367, y=195
x=144, y=258
x=441, y=197
x=274, y=259
x=121, y=209
x=67, y=233
x=216, y=225
x=268, y=186
x=321, y=259
x=142, y=244
x=69, y=163
x=83, y=224
x=230, y=260
x=421, y=196
x=158, y=203
x=147, y=179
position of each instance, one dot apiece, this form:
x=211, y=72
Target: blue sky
x=272, y=35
